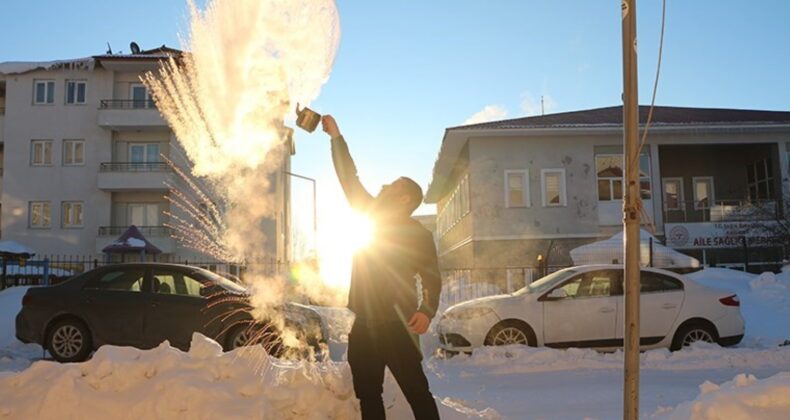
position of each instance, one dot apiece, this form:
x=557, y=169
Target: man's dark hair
x=415, y=192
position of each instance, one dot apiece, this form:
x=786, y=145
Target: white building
x=510, y=191
x=81, y=142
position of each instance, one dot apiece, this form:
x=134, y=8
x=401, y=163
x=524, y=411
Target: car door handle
x=669, y=306
x=606, y=309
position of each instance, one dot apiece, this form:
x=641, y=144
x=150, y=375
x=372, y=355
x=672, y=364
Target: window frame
x=146, y=102
x=768, y=179
x=612, y=180
x=76, y=83
x=44, y=215
x=145, y=206
x=711, y=193
x=71, y=144
x=49, y=95
x=563, y=193
x=44, y=144
x=64, y=211
x=681, y=192
x=525, y=188
x=613, y=286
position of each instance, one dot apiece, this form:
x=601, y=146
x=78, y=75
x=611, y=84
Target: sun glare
x=342, y=233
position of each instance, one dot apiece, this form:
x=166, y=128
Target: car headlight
x=469, y=313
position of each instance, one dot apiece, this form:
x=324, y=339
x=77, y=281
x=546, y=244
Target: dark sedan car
x=143, y=304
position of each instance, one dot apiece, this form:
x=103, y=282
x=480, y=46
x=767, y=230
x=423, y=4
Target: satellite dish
x=134, y=47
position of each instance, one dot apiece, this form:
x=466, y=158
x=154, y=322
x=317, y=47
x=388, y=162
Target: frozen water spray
x=246, y=66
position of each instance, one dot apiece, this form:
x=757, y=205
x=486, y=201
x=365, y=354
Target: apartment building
x=81, y=143
x=510, y=191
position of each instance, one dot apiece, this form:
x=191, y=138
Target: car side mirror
x=557, y=294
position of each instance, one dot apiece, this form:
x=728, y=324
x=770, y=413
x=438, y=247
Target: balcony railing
x=127, y=104
x=134, y=167
x=145, y=230
x=720, y=211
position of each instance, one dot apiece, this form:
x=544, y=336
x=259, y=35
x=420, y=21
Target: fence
x=53, y=269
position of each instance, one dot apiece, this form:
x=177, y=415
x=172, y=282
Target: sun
x=342, y=233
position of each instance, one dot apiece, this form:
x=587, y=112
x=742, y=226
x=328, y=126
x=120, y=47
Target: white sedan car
x=583, y=307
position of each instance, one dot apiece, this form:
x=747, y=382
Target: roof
x=613, y=116
x=599, y=118
x=155, y=53
x=86, y=63
x=131, y=241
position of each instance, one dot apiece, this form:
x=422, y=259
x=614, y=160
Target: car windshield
x=547, y=282
x=224, y=283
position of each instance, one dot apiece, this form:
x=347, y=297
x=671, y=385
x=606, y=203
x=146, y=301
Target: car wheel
x=246, y=335
x=693, y=332
x=69, y=341
x=510, y=332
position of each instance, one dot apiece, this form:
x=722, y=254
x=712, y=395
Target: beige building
x=81, y=144
x=510, y=191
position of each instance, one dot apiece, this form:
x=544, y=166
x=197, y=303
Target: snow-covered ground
x=751, y=380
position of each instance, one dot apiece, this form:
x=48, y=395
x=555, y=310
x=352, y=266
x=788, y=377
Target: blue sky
x=408, y=69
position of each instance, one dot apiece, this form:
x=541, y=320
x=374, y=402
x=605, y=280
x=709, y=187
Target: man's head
x=399, y=198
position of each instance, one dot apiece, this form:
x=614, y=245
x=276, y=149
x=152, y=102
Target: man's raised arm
x=359, y=198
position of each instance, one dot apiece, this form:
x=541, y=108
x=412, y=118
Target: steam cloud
x=248, y=63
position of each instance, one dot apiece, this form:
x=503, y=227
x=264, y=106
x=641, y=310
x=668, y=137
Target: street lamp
x=315, y=214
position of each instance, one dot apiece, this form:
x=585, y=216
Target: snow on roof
x=610, y=250
x=19, y=67
x=13, y=247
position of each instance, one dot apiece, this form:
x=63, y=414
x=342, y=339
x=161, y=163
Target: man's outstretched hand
x=330, y=126
x=418, y=323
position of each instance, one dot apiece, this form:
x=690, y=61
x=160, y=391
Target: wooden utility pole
x=631, y=211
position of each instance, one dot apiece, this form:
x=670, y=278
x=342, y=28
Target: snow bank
x=519, y=359
x=765, y=302
x=745, y=397
x=14, y=355
x=205, y=383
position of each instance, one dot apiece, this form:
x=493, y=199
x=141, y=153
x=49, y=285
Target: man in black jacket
x=390, y=311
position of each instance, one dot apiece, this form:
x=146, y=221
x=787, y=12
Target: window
x=592, y=284
x=41, y=152
x=75, y=92
x=39, y=214
x=553, y=187
x=140, y=96
x=175, y=283
x=126, y=281
x=673, y=194
x=455, y=208
x=144, y=214
x=610, y=172
x=73, y=152
x=142, y=154
x=703, y=192
x=516, y=189
x=71, y=212
x=651, y=282
x=760, y=179
x=43, y=92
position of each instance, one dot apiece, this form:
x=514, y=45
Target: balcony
x=134, y=176
x=721, y=211
x=122, y=114
x=160, y=236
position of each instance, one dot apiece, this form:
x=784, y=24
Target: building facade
x=510, y=193
x=82, y=145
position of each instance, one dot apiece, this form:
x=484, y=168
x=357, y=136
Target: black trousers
x=372, y=346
